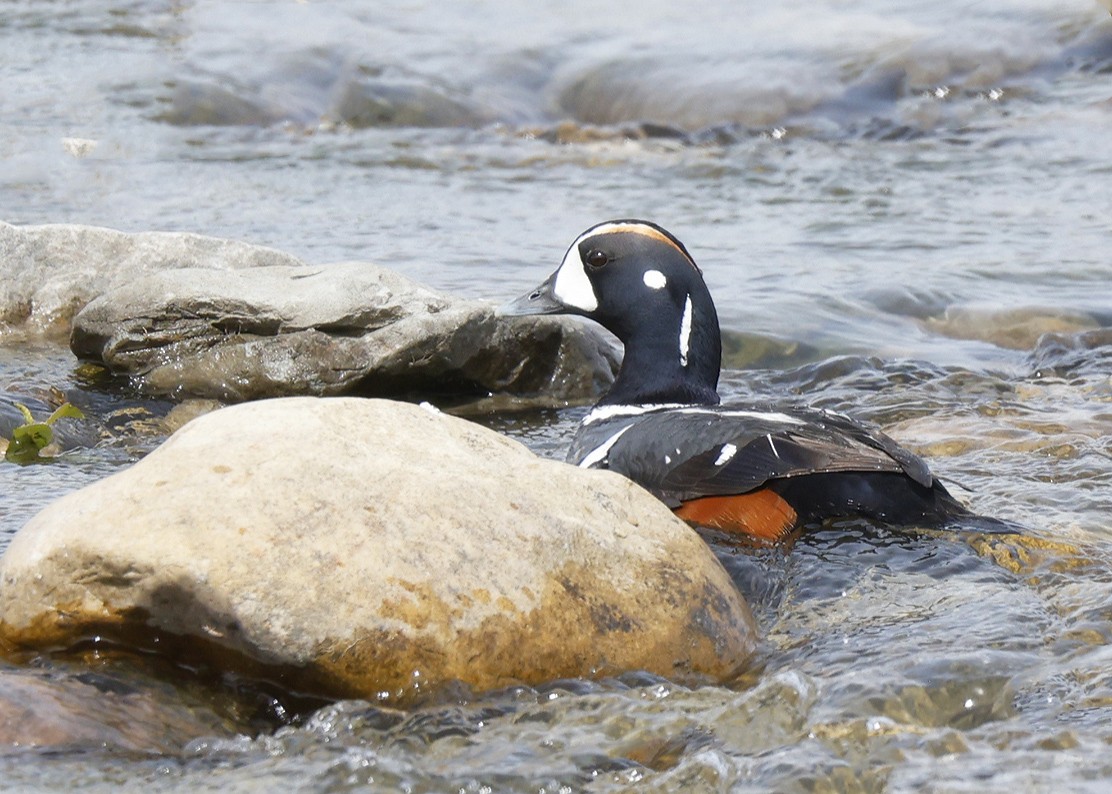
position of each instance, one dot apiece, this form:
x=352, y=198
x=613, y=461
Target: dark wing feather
x=662, y=450
x=912, y=465
x=689, y=453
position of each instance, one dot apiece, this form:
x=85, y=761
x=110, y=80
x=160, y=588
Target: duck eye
x=596, y=258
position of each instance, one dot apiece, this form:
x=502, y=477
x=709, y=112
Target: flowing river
x=903, y=212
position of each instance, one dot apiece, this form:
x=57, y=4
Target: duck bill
x=538, y=300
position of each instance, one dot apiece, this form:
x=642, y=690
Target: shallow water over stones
x=890, y=660
x=892, y=204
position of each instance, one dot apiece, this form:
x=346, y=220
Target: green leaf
x=32, y=437
x=64, y=411
x=27, y=418
x=38, y=434
x=26, y=443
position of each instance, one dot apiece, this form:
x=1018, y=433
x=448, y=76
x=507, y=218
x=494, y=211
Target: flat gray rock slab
x=335, y=329
x=191, y=316
x=48, y=273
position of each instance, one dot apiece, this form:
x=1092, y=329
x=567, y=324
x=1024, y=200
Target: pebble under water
x=901, y=212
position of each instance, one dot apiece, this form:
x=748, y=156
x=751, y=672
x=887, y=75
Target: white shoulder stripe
x=602, y=412
x=761, y=416
x=602, y=450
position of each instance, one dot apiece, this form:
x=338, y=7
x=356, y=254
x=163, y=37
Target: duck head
x=640, y=283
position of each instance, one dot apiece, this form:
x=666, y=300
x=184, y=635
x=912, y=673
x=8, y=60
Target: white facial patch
x=654, y=279
x=727, y=454
x=572, y=287
x=685, y=332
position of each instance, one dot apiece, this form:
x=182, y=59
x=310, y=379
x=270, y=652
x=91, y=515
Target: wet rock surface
x=336, y=329
x=48, y=273
x=190, y=316
x=41, y=711
x=367, y=548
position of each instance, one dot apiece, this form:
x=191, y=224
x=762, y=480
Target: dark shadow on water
x=821, y=562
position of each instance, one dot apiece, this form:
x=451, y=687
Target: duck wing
x=691, y=452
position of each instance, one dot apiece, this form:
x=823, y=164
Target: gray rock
x=334, y=329
x=48, y=273
x=92, y=711
x=197, y=316
x=368, y=548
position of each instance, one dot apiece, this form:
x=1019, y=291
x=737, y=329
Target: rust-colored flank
x=762, y=514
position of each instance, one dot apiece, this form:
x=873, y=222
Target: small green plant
x=30, y=438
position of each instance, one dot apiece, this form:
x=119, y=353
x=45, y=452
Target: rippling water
x=902, y=210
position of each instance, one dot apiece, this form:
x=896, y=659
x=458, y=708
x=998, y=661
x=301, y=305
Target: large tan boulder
x=369, y=548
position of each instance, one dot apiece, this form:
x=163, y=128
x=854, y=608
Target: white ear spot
x=685, y=332
x=572, y=287
x=654, y=279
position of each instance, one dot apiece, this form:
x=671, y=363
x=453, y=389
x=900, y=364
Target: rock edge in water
x=373, y=549
x=191, y=316
x=51, y=272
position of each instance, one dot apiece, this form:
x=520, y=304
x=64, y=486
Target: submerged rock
x=92, y=711
x=368, y=548
x=1070, y=355
x=341, y=328
x=378, y=102
x=1017, y=328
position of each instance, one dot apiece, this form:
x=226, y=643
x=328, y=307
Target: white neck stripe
x=685, y=332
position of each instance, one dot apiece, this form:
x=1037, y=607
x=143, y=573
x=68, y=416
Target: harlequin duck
x=758, y=470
